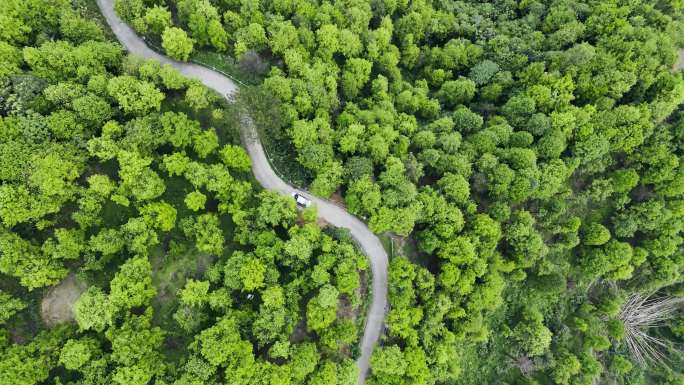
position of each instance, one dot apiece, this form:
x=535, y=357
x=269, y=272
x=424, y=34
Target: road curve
x=331, y=213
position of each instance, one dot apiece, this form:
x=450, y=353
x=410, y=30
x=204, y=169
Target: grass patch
x=386, y=241
x=269, y=120
x=228, y=66
x=402, y=246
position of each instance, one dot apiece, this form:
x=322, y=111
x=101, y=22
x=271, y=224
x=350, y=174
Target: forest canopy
x=528, y=153
x=123, y=175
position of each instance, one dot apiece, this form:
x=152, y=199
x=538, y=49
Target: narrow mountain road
x=331, y=213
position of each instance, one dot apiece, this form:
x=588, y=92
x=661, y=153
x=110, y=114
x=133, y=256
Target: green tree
x=194, y=293
x=158, y=18
x=177, y=44
x=567, y=366
x=455, y=187
x=11, y=59
x=76, y=353
x=92, y=109
x=217, y=35
x=93, y=310
x=171, y=78
x=304, y=360
x=325, y=374
x=235, y=157
x=31, y=363
x=275, y=210
x=195, y=200
x=205, y=143
x=176, y=163
x=136, y=349
x=207, y=232
x=363, y=197
x=531, y=335
x=197, y=96
x=135, y=97
x=272, y=316
x=252, y=273
x=159, y=215
x=222, y=342
x=328, y=180
x=388, y=361
x=22, y=259
x=179, y=129
x=9, y=306
x=79, y=29
x=251, y=37
x=454, y=92
x=322, y=309
x=595, y=234
x=356, y=74
x=132, y=284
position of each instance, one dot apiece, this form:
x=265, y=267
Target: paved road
x=265, y=175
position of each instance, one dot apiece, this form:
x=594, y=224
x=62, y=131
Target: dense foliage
x=531, y=151
x=130, y=176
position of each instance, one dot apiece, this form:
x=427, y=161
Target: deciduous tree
x=177, y=44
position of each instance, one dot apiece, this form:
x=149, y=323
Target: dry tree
x=640, y=314
x=525, y=364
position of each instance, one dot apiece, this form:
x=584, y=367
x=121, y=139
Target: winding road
x=331, y=213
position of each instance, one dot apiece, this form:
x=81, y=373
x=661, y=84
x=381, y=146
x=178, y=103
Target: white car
x=301, y=200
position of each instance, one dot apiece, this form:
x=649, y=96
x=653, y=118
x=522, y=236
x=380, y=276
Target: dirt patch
x=337, y=199
x=364, y=277
x=299, y=334
x=321, y=222
x=680, y=63
x=56, y=307
x=345, y=309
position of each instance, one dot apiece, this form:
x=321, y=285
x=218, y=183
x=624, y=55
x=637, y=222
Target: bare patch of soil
x=299, y=334
x=321, y=222
x=364, y=276
x=56, y=307
x=345, y=308
x=337, y=199
x=17, y=337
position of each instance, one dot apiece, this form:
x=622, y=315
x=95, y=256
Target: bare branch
x=641, y=313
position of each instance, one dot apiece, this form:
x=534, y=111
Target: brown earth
x=680, y=63
x=337, y=199
x=56, y=307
